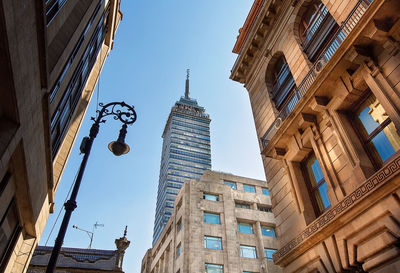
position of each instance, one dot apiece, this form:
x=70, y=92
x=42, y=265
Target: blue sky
x=155, y=44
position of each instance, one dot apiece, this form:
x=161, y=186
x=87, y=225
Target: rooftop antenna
x=187, y=84
x=89, y=233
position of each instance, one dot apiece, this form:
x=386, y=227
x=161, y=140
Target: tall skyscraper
x=186, y=154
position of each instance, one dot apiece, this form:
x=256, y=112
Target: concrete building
x=221, y=223
x=52, y=53
x=80, y=260
x=186, y=154
x=324, y=86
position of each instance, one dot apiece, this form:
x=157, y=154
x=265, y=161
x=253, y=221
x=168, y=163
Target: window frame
x=220, y=266
x=364, y=137
x=263, y=189
x=313, y=189
x=211, y=213
x=247, y=186
x=231, y=184
x=272, y=228
x=266, y=250
x=245, y=224
x=248, y=248
x=219, y=239
x=210, y=194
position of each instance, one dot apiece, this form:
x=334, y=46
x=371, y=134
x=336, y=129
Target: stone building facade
x=324, y=86
x=52, y=54
x=81, y=260
x=221, y=223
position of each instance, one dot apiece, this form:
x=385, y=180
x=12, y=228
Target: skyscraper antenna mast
x=187, y=84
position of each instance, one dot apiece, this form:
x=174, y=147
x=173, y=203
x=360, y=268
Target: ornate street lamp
x=120, y=111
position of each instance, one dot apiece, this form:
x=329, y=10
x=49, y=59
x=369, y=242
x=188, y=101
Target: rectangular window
x=212, y=218
x=268, y=253
x=245, y=228
x=249, y=188
x=212, y=242
x=248, y=252
x=178, y=250
x=265, y=191
x=243, y=206
x=211, y=197
x=214, y=268
x=9, y=231
x=268, y=231
x=265, y=209
x=316, y=185
x=231, y=184
x=179, y=225
x=377, y=132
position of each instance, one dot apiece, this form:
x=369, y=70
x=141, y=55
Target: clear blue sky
x=156, y=42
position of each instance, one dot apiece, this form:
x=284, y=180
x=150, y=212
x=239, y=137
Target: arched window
x=282, y=82
x=316, y=29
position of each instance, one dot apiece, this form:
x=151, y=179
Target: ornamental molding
x=389, y=171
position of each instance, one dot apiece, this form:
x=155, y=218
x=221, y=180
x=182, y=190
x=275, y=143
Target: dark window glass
x=283, y=85
x=211, y=218
x=249, y=188
x=179, y=225
x=178, y=250
x=245, y=228
x=9, y=230
x=377, y=131
x=265, y=209
x=268, y=231
x=316, y=29
x=242, y=206
x=213, y=242
x=317, y=185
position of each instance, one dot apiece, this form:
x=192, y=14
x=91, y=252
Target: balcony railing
x=314, y=25
x=326, y=54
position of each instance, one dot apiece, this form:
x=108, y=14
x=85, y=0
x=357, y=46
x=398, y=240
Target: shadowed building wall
x=52, y=53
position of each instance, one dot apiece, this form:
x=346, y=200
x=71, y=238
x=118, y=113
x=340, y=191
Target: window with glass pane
x=211, y=218
x=211, y=197
x=231, y=184
x=9, y=230
x=265, y=209
x=377, y=131
x=242, y=206
x=268, y=253
x=213, y=242
x=245, y=228
x=178, y=250
x=249, y=188
x=214, y=268
x=317, y=185
x=268, y=231
x=283, y=85
x=179, y=225
x=248, y=252
x=265, y=191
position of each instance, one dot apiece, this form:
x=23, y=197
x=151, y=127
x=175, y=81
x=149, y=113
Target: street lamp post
x=120, y=111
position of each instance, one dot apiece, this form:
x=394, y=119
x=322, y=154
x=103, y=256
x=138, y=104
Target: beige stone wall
x=189, y=209
x=346, y=236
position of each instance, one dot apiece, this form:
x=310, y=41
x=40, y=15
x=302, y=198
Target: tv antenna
x=89, y=233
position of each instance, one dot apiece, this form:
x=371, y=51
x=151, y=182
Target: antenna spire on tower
x=187, y=84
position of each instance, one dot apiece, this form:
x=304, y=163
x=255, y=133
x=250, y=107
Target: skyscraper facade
x=186, y=154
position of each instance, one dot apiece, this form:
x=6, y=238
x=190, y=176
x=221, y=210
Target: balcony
x=323, y=58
